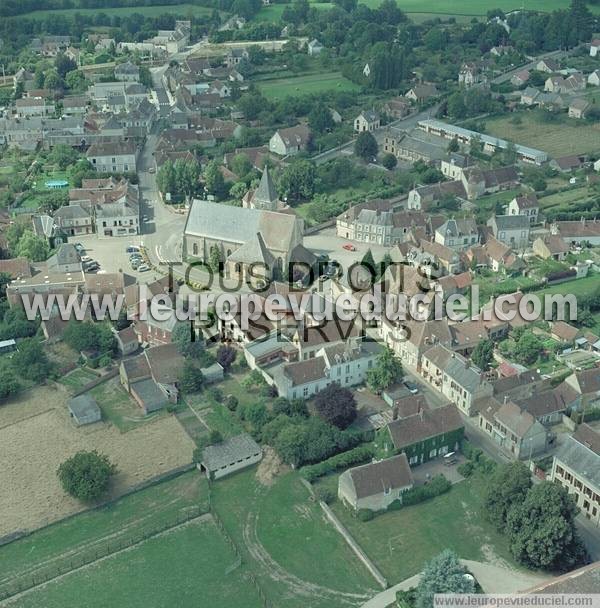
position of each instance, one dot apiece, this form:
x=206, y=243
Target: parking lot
x=111, y=254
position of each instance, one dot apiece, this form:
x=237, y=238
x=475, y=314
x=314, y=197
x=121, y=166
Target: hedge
x=438, y=485
x=357, y=455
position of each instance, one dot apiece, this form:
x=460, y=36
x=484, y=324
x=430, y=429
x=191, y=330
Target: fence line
x=69, y=564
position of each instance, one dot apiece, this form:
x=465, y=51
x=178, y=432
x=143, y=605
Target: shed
x=231, y=455
x=84, y=410
x=148, y=395
x=212, y=373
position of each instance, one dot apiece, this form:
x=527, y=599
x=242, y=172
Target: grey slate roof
x=375, y=478
x=84, y=406
x=266, y=192
x=152, y=397
x=511, y=222
x=228, y=452
x=581, y=459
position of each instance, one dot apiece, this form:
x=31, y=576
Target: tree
x=53, y=81
x=165, y=178
x=189, y=344
x=214, y=182
x=9, y=383
x=64, y=65
x=33, y=247
x=365, y=146
x=187, y=175
x=387, y=371
x=225, y=356
x=483, y=354
x=368, y=261
x=63, y=156
x=528, y=348
x=190, y=378
x=442, y=574
x=241, y=165
x=297, y=180
x=453, y=146
x=215, y=259
x=30, y=359
x=508, y=486
x=541, y=529
x=89, y=336
x=336, y=405
x=389, y=161
x=86, y=475
x=320, y=119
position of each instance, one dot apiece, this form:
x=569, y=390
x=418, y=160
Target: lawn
x=184, y=9
x=76, y=537
x=474, y=7
x=304, y=85
x=564, y=198
x=78, y=378
x=577, y=287
x=190, y=566
x=559, y=138
x=401, y=542
x=119, y=408
x=298, y=558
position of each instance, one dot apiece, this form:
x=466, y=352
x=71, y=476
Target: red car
x=349, y=247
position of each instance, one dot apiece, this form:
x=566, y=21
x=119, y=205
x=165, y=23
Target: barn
x=84, y=410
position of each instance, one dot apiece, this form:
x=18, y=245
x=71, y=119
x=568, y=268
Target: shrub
x=438, y=485
x=325, y=495
x=215, y=394
x=365, y=515
x=231, y=402
x=466, y=469
x=86, y=475
x=344, y=460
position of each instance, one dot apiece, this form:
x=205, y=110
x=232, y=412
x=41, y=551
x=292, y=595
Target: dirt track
x=36, y=435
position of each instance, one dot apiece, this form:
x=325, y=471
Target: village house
x=84, y=409
x=594, y=78
x=525, y=204
x=452, y=375
x=512, y=230
x=478, y=182
x=516, y=431
x=520, y=78
x=411, y=339
x=397, y=107
x=290, y=141
x=65, y=260
x=582, y=231
x=367, y=120
x=551, y=246
x=595, y=47
x=547, y=65
x=314, y=47
x=425, y=435
x=576, y=466
x=578, y=108
x=567, y=164
x=429, y=197
x=75, y=105
x=15, y=268
x=113, y=157
x=471, y=74
x=376, y=485
x=413, y=145
x=454, y=165
x=457, y=234
x=127, y=72
x=581, y=390
x=127, y=340
x=563, y=332
x=421, y=93
x=74, y=220
x=235, y=56
x=495, y=255
x=33, y=106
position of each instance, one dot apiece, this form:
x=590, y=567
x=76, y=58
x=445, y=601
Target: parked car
x=132, y=249
x=143, y=268
x=411, y=386
x=349, y=247
x=145, y=218
x=151, y=170
x=86, y=258
x=79, y=247
x=91, y=266
x=136, y=263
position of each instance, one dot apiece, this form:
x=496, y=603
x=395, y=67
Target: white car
x=143, y=268
x=86, y=258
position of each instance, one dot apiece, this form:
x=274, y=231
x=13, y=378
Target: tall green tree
x=86, y=475
x=483, y=354
x=365, y=146
x=386, y=372
x=442, y=574
x=297, y=180
x=320, y=119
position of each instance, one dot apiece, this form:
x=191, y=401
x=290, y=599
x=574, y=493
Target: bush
x=466, y=469
x=86, y=475
x=365, y=515
x=215, y=394
x=438, y=485
x=340, y=461
x=325, y=495
x=231, y=402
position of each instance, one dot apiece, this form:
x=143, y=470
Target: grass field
x=556, y=138
x=304, y=85
x=297, y=557
x=78, y=378
x=578, y=287
x=148, y=11
x=565, y=197
x=189, y=566
x=81, y=534
x=400, y=542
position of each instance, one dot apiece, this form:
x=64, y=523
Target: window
x=305, y=391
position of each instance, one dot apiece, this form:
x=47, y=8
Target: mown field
x=280, y=88
x=189, y=566
x=559, y=138
x=123, y=11
x=298, y=558
x=401, y=542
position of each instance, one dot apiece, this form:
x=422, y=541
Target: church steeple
x=265, y=197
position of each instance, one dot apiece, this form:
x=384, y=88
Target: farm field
x=564, y=198
x=80, y=535
x=558, y=139
x=191, y=565
x=298, y=557
x=39, y=419
x=578, y=287
x=304, y=85
x=124, y=11
x=451, y=521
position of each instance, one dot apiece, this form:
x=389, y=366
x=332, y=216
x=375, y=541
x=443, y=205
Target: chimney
x=505, y=399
